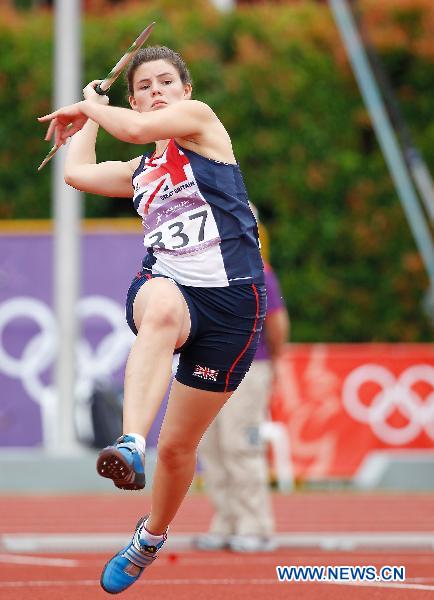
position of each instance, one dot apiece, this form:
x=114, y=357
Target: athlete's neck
x=160, y=147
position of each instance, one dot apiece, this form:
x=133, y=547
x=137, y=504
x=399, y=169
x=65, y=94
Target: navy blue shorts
x=226, y=323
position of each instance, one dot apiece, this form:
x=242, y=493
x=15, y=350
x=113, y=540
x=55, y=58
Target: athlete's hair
x=151, y=53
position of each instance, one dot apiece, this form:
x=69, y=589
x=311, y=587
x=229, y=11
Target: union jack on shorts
x=205, y=373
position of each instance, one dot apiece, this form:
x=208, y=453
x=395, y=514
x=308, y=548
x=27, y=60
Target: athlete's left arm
x=182, y=119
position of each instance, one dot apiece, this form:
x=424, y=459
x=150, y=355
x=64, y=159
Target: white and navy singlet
x=199, y=229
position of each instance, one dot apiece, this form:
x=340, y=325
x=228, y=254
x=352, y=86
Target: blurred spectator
x=232, y=452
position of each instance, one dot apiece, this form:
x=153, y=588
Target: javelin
x=103, y=87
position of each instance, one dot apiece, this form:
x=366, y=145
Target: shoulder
x=210, y=138
x=197, y=108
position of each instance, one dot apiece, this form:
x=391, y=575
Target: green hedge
x=280, y=81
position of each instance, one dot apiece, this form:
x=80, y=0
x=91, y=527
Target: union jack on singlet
x=198, y=226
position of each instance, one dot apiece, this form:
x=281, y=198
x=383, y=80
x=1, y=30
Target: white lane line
x=68, y=542
x=405, y=586
x=18, y=559
x=168, y=582
x=181, y=559
x=341, y=542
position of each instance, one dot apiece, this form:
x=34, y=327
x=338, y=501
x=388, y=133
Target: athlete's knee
x=175, y=453
x=164, y=312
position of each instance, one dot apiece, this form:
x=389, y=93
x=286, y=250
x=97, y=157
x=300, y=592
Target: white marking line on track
x=405, y=586
x=174, y=582
x=329, y=541
x=17, y=559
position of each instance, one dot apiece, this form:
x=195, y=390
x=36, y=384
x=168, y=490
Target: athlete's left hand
x=64, y=122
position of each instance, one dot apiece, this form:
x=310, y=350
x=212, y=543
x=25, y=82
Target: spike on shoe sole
x=112, y=464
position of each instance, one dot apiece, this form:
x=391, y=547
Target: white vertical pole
x=385, y=135
x=66, y=210
x=224, y=5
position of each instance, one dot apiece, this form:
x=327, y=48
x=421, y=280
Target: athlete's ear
x=187, y=91
x=133, y=102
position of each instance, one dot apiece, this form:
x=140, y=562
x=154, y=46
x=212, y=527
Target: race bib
x=181, y=226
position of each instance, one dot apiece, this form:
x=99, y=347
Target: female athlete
x=200, y=291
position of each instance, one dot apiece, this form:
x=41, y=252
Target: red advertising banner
x=341, y=401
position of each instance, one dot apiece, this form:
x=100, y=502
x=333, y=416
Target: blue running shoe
x=125, y=568
x=124, y=463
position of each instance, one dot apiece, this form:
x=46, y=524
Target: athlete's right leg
x=162, y=319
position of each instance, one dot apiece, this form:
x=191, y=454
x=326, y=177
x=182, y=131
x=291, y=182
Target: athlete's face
x=157, y=84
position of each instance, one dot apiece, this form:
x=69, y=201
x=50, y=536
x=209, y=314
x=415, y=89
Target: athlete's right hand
x=90, y=94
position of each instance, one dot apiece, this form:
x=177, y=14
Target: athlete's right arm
x=111, y=178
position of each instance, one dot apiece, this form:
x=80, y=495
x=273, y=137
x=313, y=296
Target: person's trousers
x=233, y=457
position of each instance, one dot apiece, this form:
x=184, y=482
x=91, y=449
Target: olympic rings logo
x=396, y=393
x=93, y=364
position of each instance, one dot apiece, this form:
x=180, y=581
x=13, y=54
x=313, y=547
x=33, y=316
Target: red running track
x=300, y=512
x=217, y=576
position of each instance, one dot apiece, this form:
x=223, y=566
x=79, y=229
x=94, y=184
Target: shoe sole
x=112, y=464
x=101, y=583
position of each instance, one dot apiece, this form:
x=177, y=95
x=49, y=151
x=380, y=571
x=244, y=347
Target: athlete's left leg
x=189, y=412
